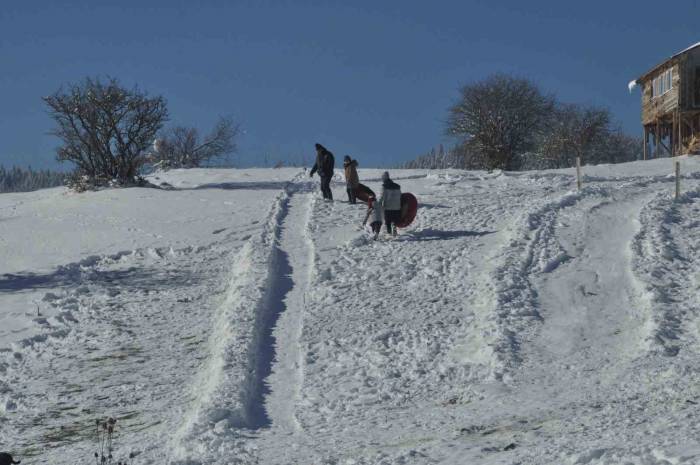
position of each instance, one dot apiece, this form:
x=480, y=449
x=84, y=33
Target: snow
x=632, y=84
x=238, y=318
x=687, y=49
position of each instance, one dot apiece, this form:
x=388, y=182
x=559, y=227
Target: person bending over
x=374, y=212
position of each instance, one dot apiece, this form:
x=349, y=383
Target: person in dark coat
x=390, y=201
x=352, y=180
x=325, y=162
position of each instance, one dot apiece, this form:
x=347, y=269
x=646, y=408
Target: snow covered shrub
x=182, y=147
x=573, y=131
x=500, y=117
x=81, y=182
x=508, y=123
x=106, y=129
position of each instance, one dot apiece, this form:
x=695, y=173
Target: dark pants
x=326, y=187
x=391, y=217
x=376, y=226
x=352, y=197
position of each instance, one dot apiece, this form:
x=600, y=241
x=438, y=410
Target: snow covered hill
x=240, y=319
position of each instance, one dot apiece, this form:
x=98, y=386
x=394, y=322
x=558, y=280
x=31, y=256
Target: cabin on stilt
x=671, y=105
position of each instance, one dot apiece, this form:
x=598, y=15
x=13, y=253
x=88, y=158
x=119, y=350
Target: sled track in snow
x=262, y=352
x=280, y=360
x=529, y=248
x=664, y=269
x=231, y=391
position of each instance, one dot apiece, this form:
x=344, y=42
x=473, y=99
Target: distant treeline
x=17, y=179
x=614, y=147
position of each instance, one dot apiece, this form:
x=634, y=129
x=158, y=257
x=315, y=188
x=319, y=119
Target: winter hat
x=385, y=176
x=318, y=146
x=346, y=158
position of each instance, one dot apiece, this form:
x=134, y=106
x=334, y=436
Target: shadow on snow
x=437, y=235
x=135, y=278
x=263, y=185
x=280, y=285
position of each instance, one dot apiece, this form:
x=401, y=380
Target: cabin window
x=662, y=84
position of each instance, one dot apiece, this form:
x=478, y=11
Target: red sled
x=363, y=193
x=409, y=208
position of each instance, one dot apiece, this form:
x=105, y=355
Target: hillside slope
x=516, y=321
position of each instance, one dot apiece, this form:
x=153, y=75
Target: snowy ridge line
x=633, y=181
x=230, y=379
x=397, y=178
x=642, y=181
x=662, y=270
x=531, y=248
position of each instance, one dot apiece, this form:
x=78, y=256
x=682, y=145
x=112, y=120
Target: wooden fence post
x=678, y=180
x=578, y=173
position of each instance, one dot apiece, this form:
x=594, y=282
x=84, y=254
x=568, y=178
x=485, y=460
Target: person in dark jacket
x=390, y=201
x=352, y=180
x=325, y=162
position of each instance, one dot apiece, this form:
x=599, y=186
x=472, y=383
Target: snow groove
x=231, y=391
x=282, y=368
x=664, y=269
x=512, y=308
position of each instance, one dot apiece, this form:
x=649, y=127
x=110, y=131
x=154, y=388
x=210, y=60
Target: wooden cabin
x=671, y=104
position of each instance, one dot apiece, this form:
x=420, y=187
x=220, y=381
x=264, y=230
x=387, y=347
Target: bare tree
x=460, y=156
x=575, y=131
x=106, y=129
x=618, y=147
x=500, y=117
x=181, y=147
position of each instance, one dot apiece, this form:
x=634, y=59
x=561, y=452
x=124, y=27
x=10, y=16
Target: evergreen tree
x=17, y=179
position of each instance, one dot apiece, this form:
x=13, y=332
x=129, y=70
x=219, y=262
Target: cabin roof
x=646, y=75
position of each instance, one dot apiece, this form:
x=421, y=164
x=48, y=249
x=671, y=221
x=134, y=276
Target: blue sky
x=372, y=79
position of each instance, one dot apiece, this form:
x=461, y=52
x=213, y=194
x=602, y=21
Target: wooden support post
x=578, y=173
x=678, y=180
x=679, y=150
x=657, y=139
x=672, y=136
x=646, y=141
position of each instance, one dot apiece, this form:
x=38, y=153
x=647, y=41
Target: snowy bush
x=500, y=117
x=182, y=147
x=503, y=122
x=106, y=129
